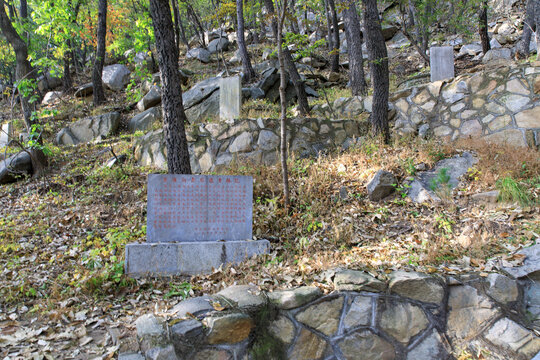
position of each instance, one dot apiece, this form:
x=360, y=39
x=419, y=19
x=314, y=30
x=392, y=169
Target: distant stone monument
x=441, y=59
x=195, y=223
x=230, y=98
x=5, y=134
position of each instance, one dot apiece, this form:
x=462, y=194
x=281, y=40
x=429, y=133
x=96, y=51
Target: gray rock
x=242, y=143
x=427, y=184
x=217, y=45
x=510, y=335
x=353, y=280
x=252, y=93
x=268, y=140
x=242, y=296
x=84, y=90
x=50, y=97
x=532, y=302
x=366, y=346
x=48, y=81
x=187, y=336
x=469, y=312
x=207, y=109
x=470, y=49
x=194, y=306
x=144, y=120
x=424, y=131
x=531, y=264
x=200, y=54
x=269, y=78
x=431, y=348
x=161, y=353
x=150, y=332
x=359, y=313
x=494, y=44
x=502, y=288
x=290, y=299
x=416, y=286
x=403, y=321
x=115, y=77
x=324, y=316
x=14, y=166
x=497, y=54
x=151, y=99
x=229, y=328
x=383, y=184
x=88, y=129
x=200, y=91
x=489, y=197
x=130, y=356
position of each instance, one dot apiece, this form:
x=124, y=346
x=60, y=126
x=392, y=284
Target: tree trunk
x=483, y=27
x=283, y=102
x=249, y=73
x=183, y=31
x=334, y=59
x=354, y=47
x=378, y=58
x=174, y=116
x=303, y=104
x=197, y=23
x=67, y=83
x=528, y=26
x=99, y=93
x=176, y=14
x=23, y=70
x=537, y=26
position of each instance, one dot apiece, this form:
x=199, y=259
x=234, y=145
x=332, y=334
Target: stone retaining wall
x=409, y=316
x=500, y=105
x=215, y=145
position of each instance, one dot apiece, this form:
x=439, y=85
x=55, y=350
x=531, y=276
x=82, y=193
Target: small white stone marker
x=5, y=134
x=230, y=98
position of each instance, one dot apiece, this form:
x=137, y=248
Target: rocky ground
x=62, y=288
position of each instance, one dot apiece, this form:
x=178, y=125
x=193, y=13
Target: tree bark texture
x=528, y=28
x=378, y=58
x=334, y=59
x=176, y=14
x=23, y=68
x=303, y=104
x=483, y=26
x=249, y=73
x=99, y=93
x=537, y=25
x=174, y=116
x=283, y=102
x=353, y=34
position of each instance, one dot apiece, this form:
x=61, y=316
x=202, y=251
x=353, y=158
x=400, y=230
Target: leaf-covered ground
x=62, y=288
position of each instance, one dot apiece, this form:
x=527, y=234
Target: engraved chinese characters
x=199, y=208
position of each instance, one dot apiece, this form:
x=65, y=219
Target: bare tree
x=283, y=102
x=303, y=105
x=99, y=93
x=353, y=34
x=378, y=58
x=483, y=26
x=23, y=71
x=249, y=73
x=334, y=58
x=174, y=116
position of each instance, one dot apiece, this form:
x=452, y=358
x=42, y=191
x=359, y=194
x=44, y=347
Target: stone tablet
x=5, y=134
x=230, y=98
x=441, y=60
x=194, y=208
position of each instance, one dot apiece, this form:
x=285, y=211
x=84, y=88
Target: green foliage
x=182, y=290
x=512, y=191
x=442, y=180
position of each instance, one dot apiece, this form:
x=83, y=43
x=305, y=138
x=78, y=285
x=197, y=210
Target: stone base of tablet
x=188, y=258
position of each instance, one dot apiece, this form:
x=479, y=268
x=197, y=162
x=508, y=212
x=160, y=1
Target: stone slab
x=188, y=258
x=195, y=208
x=441, y=59
x=5, y=134
x=230, y=98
